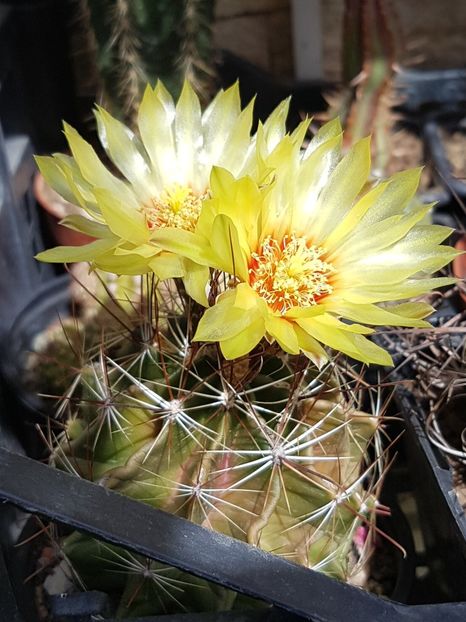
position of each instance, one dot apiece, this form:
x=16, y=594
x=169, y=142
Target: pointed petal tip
x=332, y=128
x=40, y=160
x=364, y=143
x=69, y=129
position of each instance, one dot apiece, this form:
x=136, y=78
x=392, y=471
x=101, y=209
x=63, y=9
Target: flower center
x=290, y=273
x=177, y=207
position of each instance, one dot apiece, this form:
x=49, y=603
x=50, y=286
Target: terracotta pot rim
x=459, y=266
x=61, y=234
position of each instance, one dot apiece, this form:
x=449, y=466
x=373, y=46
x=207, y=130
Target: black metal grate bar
x=213, y=556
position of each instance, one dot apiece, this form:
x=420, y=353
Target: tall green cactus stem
x=196, y=49
x=368, y=57
x=140, y=41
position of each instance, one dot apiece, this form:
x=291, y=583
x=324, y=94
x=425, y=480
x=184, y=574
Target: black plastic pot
x=291, y=588
x=432, y=101
x=21, y=562
x=24, y=409
x=444, y=521
x=20, y=227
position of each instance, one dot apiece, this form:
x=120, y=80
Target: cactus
x=265, y=449
x=369, y=52
x=102, y=303
x=132, y=42
x=214, y=395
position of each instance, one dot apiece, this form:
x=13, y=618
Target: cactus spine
x=267, y=449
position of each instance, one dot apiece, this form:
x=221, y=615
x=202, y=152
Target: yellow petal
x=370, y=353
x=229, y=256
x=331, y=336
x=234, y=155
x=184, y=243
x=122, y=264
x=87, y=226
x=245, y=297
x=311, y=347
x=92, y=169
x=274, y=128
x=355, y=345
x=398, y=194
x=195, y=280
x=144, y=250
x=155, y=121
x=342, y=188
x=242, y=343
x=409, y=314
x=122, y=219
x=282, y=331
x=167, y=266
x=301, y=312
x=241, y=200
x=330, y=130
x=428, y=235
x=222, y=182
x=71, y=254
x=188, y=134
x=312, y=177
x=415, y=310
x=55, y=177
x=219, y=121
x=120, y=143
x=394, y=265
x=224, y=320
x=80, y=188
x=406, y=289
x=382, y=234
x=332, y=322
x=346, y=226
x=207, y=214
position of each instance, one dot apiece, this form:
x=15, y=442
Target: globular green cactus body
x=265, y=450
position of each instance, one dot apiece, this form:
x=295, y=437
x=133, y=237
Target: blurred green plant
x=369, y=52
x=139, y=41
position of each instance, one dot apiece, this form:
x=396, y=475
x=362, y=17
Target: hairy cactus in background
x=133, y=42
x=213, y=396
x=369, y=53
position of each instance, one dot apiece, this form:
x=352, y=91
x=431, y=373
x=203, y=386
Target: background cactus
x=370, y=48
x=267, y=449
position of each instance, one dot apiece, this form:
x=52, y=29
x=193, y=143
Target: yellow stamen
x=290, y=273
x=177, y=207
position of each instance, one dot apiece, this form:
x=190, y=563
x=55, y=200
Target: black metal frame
x=114, y=518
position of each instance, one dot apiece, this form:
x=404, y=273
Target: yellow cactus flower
x=314, y=254
x=164, y=178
